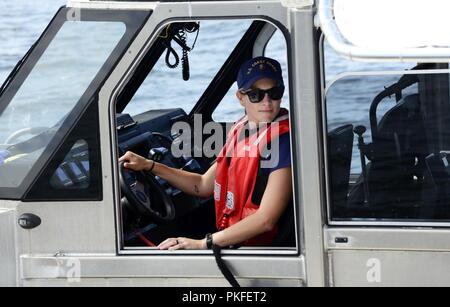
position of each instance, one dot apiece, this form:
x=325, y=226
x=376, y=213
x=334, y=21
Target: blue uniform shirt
x=284, y=159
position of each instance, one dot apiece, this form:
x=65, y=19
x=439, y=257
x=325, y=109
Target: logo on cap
x=262, y=66
x=258, y=68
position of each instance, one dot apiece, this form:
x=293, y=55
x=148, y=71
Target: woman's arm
x=275, y=200
x=190, y=183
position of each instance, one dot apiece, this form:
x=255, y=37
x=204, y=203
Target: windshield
x=50, y=92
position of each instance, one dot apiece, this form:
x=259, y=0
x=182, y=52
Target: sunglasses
x=257, y=95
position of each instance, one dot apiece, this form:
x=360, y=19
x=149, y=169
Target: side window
x=277, y=49
x=46, y=97
x=157, y=100
x=51, y=92
x=229, y=110
x=387, y=141
x=165, y=86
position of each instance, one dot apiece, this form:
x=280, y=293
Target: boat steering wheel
x=146, y=195
x=21, y=132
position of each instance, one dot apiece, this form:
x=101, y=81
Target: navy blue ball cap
x=256, y=69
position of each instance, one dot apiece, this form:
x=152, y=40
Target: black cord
x=180, y=36
x=181, y=39
x=172, y=51
x=223, y=267
x=197, y=28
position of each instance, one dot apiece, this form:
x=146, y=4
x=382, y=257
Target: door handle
x=29, y=221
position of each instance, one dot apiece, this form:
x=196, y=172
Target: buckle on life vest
x=224, y=222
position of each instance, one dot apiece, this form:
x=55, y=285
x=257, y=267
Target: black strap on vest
x=223, y=267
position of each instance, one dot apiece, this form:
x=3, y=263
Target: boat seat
x=397, y=156
x=400, y=149
x=401, y=135
x=436, y=187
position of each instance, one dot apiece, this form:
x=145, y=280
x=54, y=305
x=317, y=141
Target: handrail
x=344, y=48
x=395, y=89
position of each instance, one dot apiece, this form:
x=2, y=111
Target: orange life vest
x=237, y=169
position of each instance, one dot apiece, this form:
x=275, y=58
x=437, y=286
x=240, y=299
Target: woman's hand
x=182, y=243
x=135, y=162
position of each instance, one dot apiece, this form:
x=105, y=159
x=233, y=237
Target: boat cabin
x=369, y=112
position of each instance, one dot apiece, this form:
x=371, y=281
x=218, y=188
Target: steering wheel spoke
x=142, y=192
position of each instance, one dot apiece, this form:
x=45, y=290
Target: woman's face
x=264, y=111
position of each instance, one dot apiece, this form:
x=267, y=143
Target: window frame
x=201, y=106
x=325, y=86
x=133, y=20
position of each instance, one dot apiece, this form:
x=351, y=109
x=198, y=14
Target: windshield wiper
x=15, y=70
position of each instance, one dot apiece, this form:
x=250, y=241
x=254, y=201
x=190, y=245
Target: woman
x=249, y=197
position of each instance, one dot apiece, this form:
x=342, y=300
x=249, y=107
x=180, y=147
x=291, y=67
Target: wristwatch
x=209, y=241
